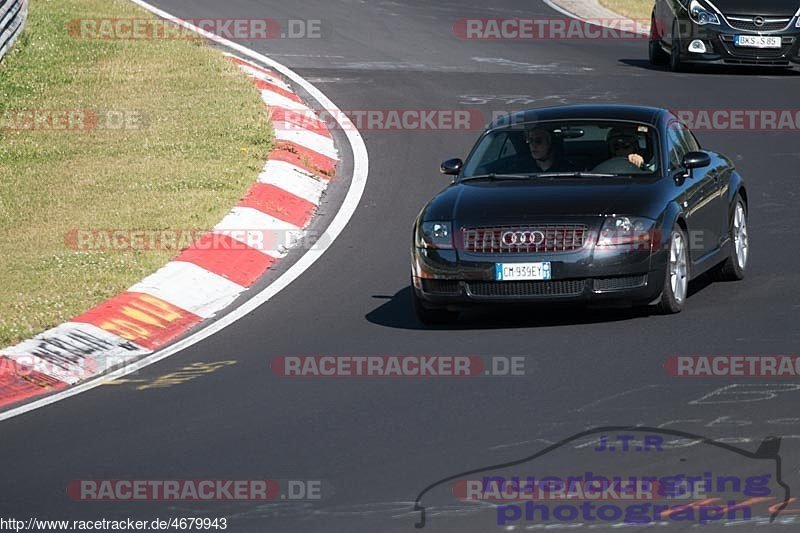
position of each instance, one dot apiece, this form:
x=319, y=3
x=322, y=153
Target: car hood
x=758, y=7
x=490, y=203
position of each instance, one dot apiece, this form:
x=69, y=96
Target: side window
x=690, y=141
x=508, y=148
x=491, y=146
x=677, y=146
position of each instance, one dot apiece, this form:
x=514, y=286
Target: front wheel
x=676, y=282
x=734, y=267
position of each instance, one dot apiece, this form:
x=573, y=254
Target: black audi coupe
x=732, y=32
x=588, y=204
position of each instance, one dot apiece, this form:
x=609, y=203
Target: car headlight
x=620, y=230
x=702, y=15
x=435, y=235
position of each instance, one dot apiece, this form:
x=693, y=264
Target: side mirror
x=694, y=160
x=451, y=167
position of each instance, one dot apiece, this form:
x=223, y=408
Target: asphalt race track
x=376, y=443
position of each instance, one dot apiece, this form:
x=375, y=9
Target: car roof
x=646, y=115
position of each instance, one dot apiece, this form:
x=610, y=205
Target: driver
x=540, y=144
x=623, y=142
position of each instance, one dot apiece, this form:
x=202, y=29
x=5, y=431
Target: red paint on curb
x=266, y=72
x=239, y=263
x=266, y=86
x=278, y=203
x=304, y=158
x=141, y=318
x=289, y=119
x=17, y=383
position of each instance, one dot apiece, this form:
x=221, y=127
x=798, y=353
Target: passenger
x=624, y=143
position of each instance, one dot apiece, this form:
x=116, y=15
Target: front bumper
x=722, y=50
x=592, y=275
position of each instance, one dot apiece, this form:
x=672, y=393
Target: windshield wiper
x=574, y=175
x=494, y=176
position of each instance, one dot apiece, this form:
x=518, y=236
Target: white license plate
x=522, y=271
x=758, y=41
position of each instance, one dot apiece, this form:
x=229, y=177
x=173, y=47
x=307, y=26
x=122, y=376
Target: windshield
x=565, y=148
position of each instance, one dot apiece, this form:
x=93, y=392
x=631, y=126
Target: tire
x=432, y=316
x=735, y=266
x=676, y=64
x=657, y=54
x=676, y=276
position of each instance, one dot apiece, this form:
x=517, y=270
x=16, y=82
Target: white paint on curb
x=336, y=227
x=190, y=287
x=62, y=340
x=269, y=79
x=308, y=139
x=241, y=222
x=293, y=179
x=273, y=99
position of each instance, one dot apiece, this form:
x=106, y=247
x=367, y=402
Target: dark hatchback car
x=731, y=32
x=590, y=204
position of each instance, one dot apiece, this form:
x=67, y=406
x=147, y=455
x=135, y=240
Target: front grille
x=747, y=23
x=549, y=238
x=440, y=286
x=621, y=283
x=527, y=288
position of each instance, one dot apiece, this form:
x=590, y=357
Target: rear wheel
x=733, y=269
x=676, y=282
x=657, y=54
x=432, y=315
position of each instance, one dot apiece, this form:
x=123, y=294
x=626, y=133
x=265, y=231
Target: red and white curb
x=592, y=12
x=203, y=279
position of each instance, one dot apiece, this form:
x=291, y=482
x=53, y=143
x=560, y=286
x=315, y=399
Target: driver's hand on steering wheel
x=636, y=160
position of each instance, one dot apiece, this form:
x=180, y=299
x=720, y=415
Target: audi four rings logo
x=523, y=238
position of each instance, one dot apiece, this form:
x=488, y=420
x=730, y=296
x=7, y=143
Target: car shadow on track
x=397, y=312
x=716, y=70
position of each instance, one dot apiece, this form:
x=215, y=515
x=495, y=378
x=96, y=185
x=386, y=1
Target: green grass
x=635, y=9
x=205, y=139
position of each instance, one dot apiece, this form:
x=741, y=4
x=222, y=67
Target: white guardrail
x=13, y=14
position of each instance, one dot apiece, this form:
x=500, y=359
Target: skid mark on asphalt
x=183, y=375
x=533, y=68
